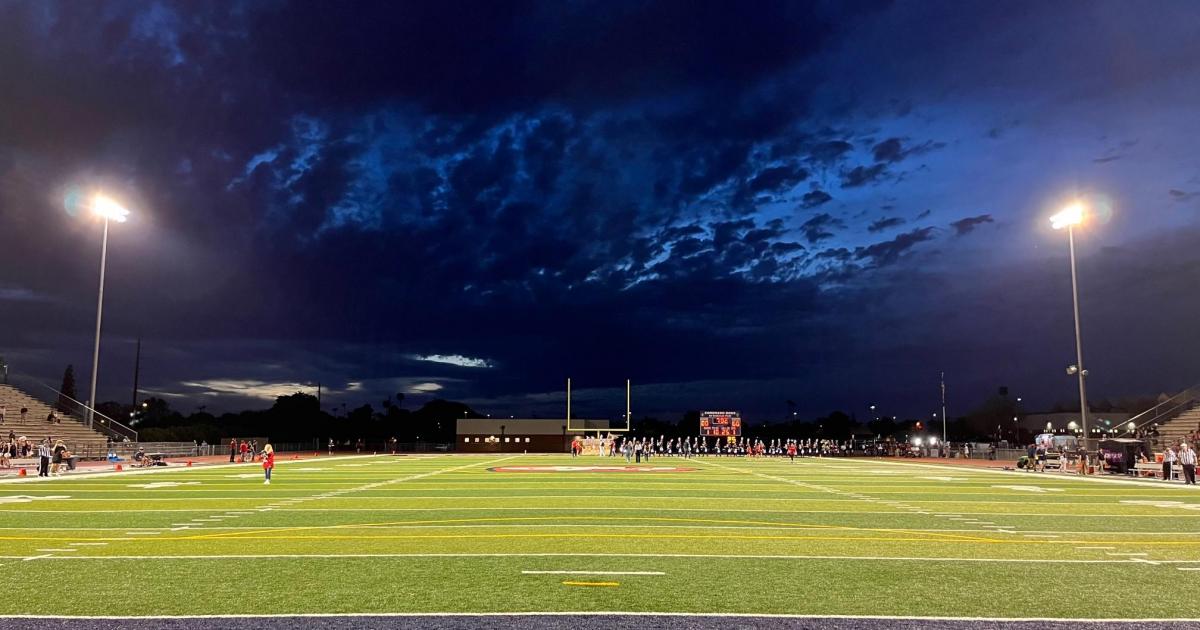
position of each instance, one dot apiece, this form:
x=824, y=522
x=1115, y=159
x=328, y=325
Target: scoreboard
x=720, y=423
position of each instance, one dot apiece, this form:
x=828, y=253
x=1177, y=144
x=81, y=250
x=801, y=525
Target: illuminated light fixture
x=1070, y=216
x=106, y=208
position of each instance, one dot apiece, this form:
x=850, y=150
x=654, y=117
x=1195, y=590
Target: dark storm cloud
x=862, y=175
x=814, y=198
x=777, y=178
x=893, y=149
x=888, y=151
x=821, y=227
x=885, y=223
x=467, y=57
x=967, y=225
x=888, y=252
x=831, y=151
x=1181, y=196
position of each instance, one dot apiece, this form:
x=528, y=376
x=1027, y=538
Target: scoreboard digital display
x=720, y=423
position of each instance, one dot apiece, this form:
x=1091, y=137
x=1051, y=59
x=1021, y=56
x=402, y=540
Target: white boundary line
x=161, y=469
x=318, y=556
x=618, y=613
x=1028, y=475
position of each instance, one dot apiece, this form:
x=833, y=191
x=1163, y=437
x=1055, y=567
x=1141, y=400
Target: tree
x=66, y=391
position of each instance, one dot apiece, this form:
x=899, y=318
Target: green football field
x=478, y=533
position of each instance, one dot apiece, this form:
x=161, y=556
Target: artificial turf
x=446, y=534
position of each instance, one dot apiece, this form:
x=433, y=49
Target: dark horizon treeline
x=299, y=418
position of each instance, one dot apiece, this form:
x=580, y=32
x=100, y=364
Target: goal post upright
x=608, y=429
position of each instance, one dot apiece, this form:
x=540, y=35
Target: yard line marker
x=1125, y=553
x=1095, y=548
x=1188, y=568
x=175, y=529
x=142, y=533
x=593, y=573
x=615, y=555
x=57, y=550
x=1041, y=535
x=610, y=584
x=88, y=544
x=36, y=558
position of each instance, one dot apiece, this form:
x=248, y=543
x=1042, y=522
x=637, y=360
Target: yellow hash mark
x=572, y=583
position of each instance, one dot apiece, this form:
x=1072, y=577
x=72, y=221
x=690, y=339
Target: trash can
x=71, y=462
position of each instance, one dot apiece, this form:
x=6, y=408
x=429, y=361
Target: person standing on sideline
x=2, y=410
x=44, y=454
x=1187, y=457
x=331, y=446
x=232, y=449
x=268, y=460
x=1168, y=459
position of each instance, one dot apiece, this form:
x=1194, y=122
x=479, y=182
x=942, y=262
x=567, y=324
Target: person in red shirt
x=244, y=448
x=791, y=451
x=268, y=462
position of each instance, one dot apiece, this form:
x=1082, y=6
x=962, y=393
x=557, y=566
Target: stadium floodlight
x=109, y=210
x=1068, y=218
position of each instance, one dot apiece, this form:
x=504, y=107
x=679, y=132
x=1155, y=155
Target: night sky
x=735, y=204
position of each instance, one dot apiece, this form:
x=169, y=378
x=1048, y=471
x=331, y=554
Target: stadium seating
x=1180, y=427
x=79, y=439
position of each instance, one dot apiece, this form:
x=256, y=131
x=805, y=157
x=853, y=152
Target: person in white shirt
x=1187, y=457
x=1168, y=461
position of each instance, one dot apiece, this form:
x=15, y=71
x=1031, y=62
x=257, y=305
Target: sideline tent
x=1120, y=454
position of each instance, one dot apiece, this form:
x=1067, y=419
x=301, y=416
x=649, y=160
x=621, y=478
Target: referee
x=44, y=458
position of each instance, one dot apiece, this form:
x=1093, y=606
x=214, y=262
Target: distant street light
x=109, y=210
x=1068, y=218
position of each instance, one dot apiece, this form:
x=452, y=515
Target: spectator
x=2, y=410
x=24, y=413
x=56, y=458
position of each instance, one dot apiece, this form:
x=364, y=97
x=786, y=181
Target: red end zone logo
x=601, y=469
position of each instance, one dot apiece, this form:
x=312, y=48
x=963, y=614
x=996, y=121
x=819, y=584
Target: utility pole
x=137, y=370
x=943, y=407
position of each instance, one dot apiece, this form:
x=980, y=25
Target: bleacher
x=79, y=439
x=1179, y=428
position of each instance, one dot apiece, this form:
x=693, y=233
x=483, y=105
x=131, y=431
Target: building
x=490, y=435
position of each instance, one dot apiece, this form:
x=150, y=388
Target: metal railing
x=75, y=410
x=1166, y=410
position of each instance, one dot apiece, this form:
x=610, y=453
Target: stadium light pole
x=109, y=210
x=1068, y=218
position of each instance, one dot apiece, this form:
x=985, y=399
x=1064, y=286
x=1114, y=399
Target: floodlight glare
x=106, y=208
x=1070, y=216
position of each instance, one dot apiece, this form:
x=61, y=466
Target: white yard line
x=620, y=555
